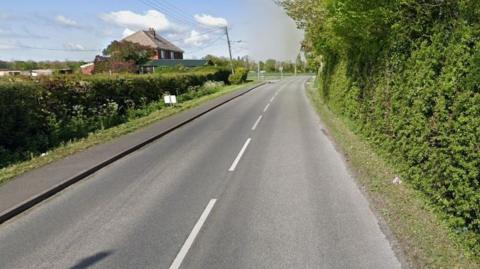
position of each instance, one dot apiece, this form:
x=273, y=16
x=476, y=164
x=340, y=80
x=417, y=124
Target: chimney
x=152, y=31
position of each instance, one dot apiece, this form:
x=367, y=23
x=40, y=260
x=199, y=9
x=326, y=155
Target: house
x=87, y=69
x=64, y=71
x=41, y=72
x=164, y=49
x=4, y=73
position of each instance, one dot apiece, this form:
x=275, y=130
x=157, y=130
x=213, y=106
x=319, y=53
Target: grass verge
x=426, y=241
x=103, y=136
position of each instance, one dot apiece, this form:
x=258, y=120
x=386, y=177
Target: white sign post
x=170, y=99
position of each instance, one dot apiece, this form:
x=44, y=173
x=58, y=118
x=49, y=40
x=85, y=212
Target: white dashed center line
x=196, y=229
x=256, y=123
x=266, y=108
x=239, y=156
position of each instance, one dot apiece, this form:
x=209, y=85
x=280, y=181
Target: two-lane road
x=252, y=184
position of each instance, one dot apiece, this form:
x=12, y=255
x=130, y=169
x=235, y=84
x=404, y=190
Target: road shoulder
x=421, y=237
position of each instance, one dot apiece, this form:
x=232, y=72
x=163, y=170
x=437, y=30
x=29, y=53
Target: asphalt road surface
x=253, y=184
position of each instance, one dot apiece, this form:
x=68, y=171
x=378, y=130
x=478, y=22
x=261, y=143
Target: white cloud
x=211, y=21
x=73, y=46
x=127, y=32
x=7, y=46
x=134, y=21
x=64, y=21
x=196, y=39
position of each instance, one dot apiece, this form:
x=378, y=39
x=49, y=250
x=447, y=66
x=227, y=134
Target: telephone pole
x=258, y=70
x=229, y=49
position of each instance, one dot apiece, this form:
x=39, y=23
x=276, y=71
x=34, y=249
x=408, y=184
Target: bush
x=239, y=77
x=406, y=74
x=37, y=115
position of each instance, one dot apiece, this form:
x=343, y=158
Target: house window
x=162, y=54
x=172, y=55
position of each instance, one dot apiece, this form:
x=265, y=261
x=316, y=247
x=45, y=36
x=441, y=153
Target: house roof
x=151, y=39
x=87, y=65
x=171, y=63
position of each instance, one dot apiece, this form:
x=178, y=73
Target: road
x=252, y=184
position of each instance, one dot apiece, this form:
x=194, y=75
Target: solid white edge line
x=191, y=238
x=239, y=156
x=256, y=123
x=266, y=108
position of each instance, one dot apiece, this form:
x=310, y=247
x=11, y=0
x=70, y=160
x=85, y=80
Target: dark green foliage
x=407, y=74
x=125, y=51
x=30, y=65
x=239, y=77
x=37, y=115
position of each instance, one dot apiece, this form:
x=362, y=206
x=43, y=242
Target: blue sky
x=78, y=30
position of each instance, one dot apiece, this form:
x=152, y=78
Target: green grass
x=425, y=239
x=103, y=136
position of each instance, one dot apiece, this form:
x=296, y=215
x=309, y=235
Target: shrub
x=406, y=74
x=37, y=115
x=239, y=77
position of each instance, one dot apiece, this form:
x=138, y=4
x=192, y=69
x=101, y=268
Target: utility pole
x=258, y=70
x=229, y=49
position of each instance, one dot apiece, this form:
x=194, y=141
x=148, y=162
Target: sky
x=79, y=30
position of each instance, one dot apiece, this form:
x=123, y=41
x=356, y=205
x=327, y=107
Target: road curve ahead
x=252, y=184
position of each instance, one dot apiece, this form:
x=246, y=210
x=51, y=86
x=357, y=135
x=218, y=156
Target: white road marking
x=266, y=108
x=196, y=229
x=273, y=98
x=256, y=123
x=239, y=156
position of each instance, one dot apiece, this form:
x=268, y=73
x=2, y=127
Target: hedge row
x=418, y=102
x=240, y=76
x=36, y=115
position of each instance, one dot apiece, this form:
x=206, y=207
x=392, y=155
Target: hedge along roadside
x=37, y=115
x=406, y=73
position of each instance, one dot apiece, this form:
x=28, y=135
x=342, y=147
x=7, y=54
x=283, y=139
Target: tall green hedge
x=36, y=115
x=407, y=75
x=240, y=76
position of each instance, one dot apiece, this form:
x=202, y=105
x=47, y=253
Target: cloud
x=127, y=32
x=64, y=21
x=73, y=46
x=196, y=39
x=134, y=21
x=21, y=32
x=211, y=21
x=7, y=46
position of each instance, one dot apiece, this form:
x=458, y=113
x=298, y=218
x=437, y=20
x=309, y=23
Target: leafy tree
x=128, y=51
x=218, y=61
x=270, y=65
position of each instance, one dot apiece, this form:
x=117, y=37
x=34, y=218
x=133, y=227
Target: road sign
x=170, y=99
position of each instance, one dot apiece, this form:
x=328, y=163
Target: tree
x=127, y=51
x=270, y=65
x=217, y=61
x=300, y=64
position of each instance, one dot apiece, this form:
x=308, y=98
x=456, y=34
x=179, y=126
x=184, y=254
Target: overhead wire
x=174, y=16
